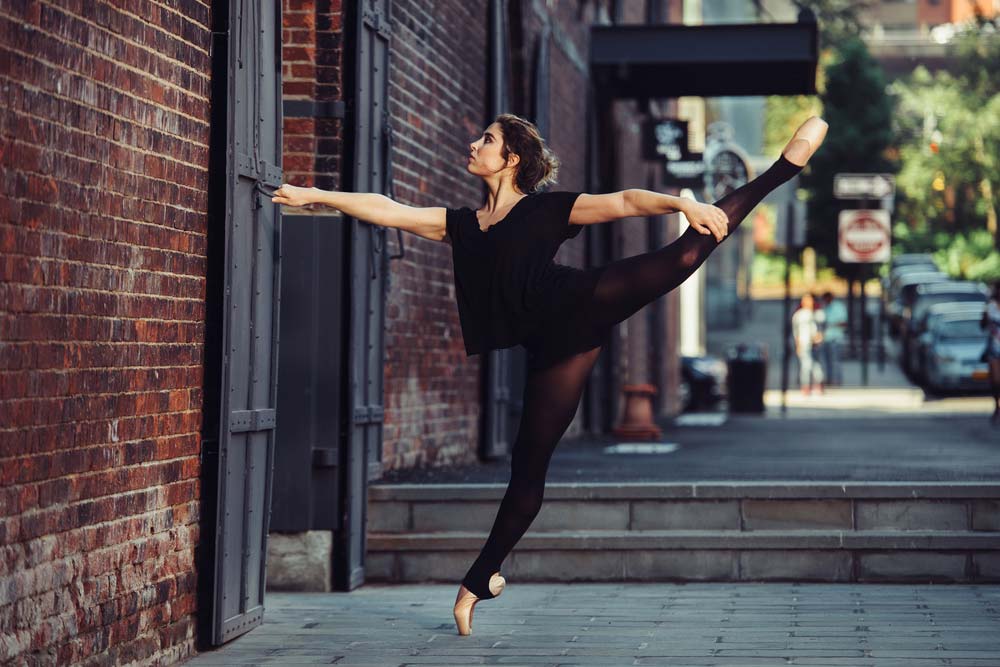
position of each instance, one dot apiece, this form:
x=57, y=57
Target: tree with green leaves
x=859, y=112
x=949, y=139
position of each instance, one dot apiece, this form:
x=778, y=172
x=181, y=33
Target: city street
x=703, y=624
x=889, y=430
x=886, y=431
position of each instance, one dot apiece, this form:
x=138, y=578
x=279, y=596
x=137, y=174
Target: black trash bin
x=747, y=364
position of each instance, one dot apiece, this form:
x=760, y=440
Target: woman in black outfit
x=510, y=292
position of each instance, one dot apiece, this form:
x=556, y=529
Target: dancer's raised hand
x=293, y=195
x=707, y=219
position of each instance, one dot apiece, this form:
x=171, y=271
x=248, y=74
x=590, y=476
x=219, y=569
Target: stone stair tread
x=697, y=539
x=703, y=490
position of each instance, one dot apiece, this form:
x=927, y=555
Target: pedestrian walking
x=831, y=348
x=510, y=292
x=807, y=336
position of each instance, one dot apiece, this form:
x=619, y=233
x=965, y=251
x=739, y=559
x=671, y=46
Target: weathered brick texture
x=103, y=174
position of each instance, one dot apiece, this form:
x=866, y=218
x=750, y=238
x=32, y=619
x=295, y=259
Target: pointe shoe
x=465, y=603
x=805, y=141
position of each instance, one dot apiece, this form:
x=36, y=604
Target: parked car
x=703, y=381
x=927, y=295
x=953, y=355
x=907, y=263
x=901, y=292
x=922, y=332
x=912, y=258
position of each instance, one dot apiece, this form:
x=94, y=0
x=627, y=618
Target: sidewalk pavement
x=725, y=625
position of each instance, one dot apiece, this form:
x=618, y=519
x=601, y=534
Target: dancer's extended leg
x=628, y=284
x=551, y=397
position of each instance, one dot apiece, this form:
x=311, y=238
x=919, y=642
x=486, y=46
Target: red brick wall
x=438, y=98
x=438, y=101
x=103, y=171
x=312, y=69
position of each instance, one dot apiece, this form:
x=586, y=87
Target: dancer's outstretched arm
x=372, y=207
x=704, y=218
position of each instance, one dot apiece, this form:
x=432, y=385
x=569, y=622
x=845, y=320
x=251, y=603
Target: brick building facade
x=104, y=165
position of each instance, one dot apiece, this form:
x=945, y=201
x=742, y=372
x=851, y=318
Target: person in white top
x=806, y=334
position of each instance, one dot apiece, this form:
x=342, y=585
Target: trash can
x=747, y=364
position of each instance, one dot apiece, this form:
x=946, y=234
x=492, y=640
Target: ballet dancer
x=510, y=292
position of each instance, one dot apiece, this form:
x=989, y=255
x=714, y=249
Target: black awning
x=705, y=60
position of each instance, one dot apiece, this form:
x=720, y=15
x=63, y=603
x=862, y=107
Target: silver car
x=926, y=296
x=922, y=332
x=902, y=290
x=953, y=355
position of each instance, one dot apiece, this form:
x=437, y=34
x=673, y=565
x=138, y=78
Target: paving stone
x=816, y=565
x=555, y=565
x=986, y=515
x=694, y=624
x=911, y=515
x=796, y=514
x=915, y=564
x=987, y=566
x=388, y=517
x=299, y=561
x=581, y=515
x=681, y=515
x=689, y=564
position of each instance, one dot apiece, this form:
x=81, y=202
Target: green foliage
x=838, y=20
x=859, y=112
x=949, y=138
x=968, y=256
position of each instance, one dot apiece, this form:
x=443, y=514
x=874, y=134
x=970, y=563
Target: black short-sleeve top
x=506, y=283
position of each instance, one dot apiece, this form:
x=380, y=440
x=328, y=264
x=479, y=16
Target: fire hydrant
x=637, y=420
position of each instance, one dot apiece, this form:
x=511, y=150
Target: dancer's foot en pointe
x=805, y=141
x=465, y=603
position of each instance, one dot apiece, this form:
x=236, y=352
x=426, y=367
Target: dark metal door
x=504, y=370
x=310, y=372
x=600, y=397
x=371, y=138
x=248, y=323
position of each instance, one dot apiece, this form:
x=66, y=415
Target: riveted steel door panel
x=249, y=320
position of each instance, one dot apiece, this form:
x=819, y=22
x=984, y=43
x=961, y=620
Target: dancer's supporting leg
x=628, y=284
x=551, y=397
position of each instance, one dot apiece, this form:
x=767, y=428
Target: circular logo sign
x=864, y=236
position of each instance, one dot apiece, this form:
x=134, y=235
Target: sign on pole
x=864, y=236
x=863, y=186
x=666, y=140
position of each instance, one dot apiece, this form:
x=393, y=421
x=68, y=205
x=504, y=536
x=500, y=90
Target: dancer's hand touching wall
x=293, y=195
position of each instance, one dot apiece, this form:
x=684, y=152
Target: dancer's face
x=485, y=154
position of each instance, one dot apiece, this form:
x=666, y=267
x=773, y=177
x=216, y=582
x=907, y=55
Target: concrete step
x=712, y=531
x=747, y=506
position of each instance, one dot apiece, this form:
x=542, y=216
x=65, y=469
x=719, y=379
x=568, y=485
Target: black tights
x=551, y=395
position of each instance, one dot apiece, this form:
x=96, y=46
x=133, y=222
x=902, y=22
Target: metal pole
x=864, y=330
x=881, y=333
x=786, y=326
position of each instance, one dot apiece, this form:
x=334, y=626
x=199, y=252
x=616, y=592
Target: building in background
x=186, y=368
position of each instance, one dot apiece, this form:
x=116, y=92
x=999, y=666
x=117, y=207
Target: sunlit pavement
x=720, y=624
x=886, y=431
x=854, y=402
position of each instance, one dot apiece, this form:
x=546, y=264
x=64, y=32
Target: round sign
x=864, y=236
